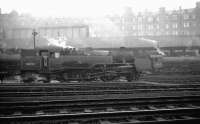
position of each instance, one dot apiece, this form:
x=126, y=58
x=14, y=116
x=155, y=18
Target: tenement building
x=175, y=22
x=174, y=26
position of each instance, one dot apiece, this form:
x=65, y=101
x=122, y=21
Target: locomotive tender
x=45, y=65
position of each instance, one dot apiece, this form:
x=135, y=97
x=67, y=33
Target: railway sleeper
x=173, y=112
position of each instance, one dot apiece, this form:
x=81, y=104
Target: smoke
x=59, y=42
x=155, y=45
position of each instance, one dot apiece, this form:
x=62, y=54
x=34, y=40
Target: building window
x=175, y=25
x=150, y=33
x=193, y=24
x=186, y=16
x=139, y=27
x=193, y=17
x=150, y=27
x=193, y=33
x=134, y=27
x=140, y=33
x=139, y=19
x=123, y=28
x=150, y=19
x=186, y=24
x=123, y=20
x=157, y=19
x=133, y=20
x=1, y=30
x=186, y=33
x=1, y=34
x=174, y=17
x=167, y=33
x=134, y=34
x=167, y=26
x=175, y=32
x=157, y=33
x=157, y=26
x=166, y=17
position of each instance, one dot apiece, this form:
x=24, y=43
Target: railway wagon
x=45, y=65
x=183, y=65
x=9, y=65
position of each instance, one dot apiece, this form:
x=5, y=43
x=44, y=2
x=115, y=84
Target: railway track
x=136, y=110
x=89, y=86
x=99, y=103
x=181, y=79
x=69, y=91
x=8, y=91
x=93, y=92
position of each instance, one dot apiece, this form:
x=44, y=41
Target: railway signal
x=34, y=33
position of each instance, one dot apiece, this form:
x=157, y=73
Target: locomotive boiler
x=45, y=65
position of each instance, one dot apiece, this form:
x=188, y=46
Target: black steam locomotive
x=46, y=65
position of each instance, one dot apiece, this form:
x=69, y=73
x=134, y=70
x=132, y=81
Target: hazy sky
x=89, y=8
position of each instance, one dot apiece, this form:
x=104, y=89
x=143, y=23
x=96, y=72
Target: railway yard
x=102, y=62
x=153, y=99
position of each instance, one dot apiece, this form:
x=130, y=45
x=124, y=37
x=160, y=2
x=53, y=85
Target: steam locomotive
x=46, y=65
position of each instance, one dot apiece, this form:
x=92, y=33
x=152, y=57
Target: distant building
x=70, y=32
x=181, y=22
x=16, y=30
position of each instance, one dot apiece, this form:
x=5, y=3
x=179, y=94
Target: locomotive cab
x=35, y=60
x=34, y=63
x=30, y=61
x=44, y=54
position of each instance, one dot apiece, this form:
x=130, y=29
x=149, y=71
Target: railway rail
x=90, y=86
x=92, y=92
x=69, y=91
x=7, y=91
x=181, y=79
x=99, y=103
x=136, y=110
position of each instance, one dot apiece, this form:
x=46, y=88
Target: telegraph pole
x=34, y=35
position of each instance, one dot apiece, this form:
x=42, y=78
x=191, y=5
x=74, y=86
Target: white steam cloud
x=59, y=42
x=155, y=45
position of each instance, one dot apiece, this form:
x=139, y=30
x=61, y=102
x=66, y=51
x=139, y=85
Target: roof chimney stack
x=197, y=4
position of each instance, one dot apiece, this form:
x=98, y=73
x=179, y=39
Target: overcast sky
x=89, y=8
